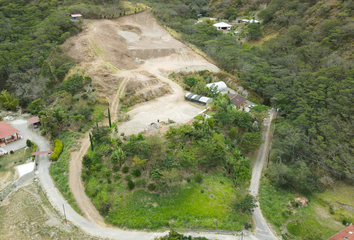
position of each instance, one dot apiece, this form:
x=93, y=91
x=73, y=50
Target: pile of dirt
x=143, y=88
x=303, y=201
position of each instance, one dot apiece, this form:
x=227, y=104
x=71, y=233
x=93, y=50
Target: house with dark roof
x=347, y=233
x=8, y=134
x=237, y=100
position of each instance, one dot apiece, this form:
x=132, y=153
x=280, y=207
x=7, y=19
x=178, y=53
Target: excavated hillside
x=131, y=55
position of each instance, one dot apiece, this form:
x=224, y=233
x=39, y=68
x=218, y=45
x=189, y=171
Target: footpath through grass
x=324, y=216
x=60, y=169
x=190, y=205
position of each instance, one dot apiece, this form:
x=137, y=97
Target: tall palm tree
x=8, y=100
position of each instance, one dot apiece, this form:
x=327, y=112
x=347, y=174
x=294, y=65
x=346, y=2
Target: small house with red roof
x=347, y=233
x=34, y=122
x=8, y=134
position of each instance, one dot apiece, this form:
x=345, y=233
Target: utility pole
x=64, y=214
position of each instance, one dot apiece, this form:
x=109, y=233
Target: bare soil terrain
x=131, y=50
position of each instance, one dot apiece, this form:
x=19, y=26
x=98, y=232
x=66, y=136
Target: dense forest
x=31, y=32
x=305, y=71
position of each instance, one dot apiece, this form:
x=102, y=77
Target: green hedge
x=57, y=149
x=34, y=149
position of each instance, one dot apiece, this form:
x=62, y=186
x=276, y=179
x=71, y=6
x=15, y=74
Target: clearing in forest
x=129, y=59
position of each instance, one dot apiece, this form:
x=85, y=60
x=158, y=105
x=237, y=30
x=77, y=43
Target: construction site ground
x=128, y=51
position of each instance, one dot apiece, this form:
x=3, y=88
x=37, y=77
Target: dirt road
x=262, y=230
x=133, y=48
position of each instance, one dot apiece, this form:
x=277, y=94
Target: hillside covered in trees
x=306, y=71
x=31, y=60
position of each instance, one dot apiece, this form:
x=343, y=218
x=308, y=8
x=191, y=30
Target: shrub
x=188, y=180
x=57, y=149
x=107, y=172
x=155, y=174
x=131, y=185
x=12, y=151
x=140, y=136
x=202, y=191
x=125, y=169
x=233, y=132
x=0, y=165
x=190, y=81
x=115, y=168
x=84, y=96
x=136, y=173
x=199, y=178
x=28, y=143
x=248, y=225
x=117, y=176
x=128, y=177
x=140, y=182
x=246, y=204
x=86, y=161
x=151, y=187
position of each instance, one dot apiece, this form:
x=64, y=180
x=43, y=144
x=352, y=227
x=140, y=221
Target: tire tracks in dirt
x=75, y=168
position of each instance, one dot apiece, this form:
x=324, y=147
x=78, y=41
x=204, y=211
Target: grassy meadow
x=189, y=205
x=8, y=162
x=323, y=217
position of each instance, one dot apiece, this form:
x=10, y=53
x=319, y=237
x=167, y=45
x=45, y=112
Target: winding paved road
x=262, y=230
x=58, y=201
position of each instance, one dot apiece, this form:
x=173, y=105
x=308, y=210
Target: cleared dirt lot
x=131, y=49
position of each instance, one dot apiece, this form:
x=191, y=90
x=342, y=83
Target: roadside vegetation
x=59, y=170
x=327, y=212
x=195, y=176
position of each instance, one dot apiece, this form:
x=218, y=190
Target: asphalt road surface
x=262, y=230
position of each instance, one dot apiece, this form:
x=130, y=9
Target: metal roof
x=221, y=86
x=346, y=233
x=76, y=15
x=222, y=24
x=6, y=130
x=33, y=120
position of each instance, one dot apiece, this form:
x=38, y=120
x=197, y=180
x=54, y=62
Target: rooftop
x=76, y=15
x=237, y=99
x=346, y=233
x=221, y=24
x=33, y=120
x=7, y=130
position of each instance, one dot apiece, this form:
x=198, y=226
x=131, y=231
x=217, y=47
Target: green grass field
x=320, y=220
x=8, y=162
x=184, y=207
